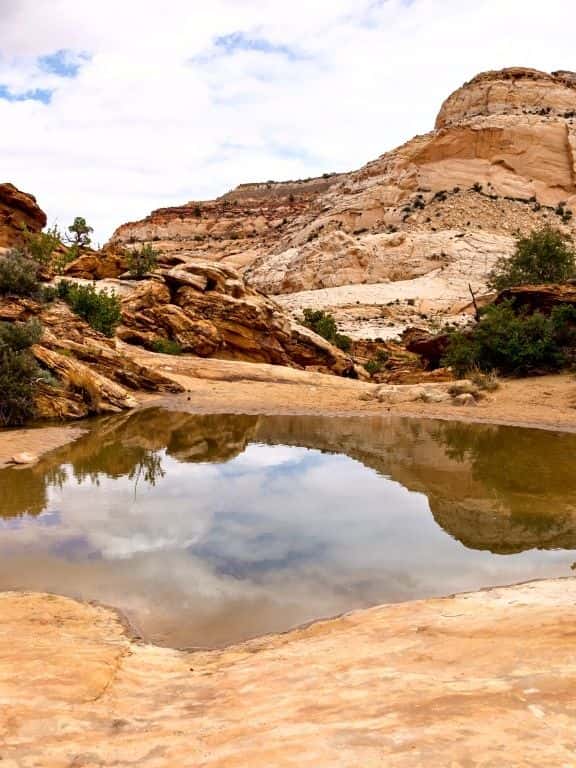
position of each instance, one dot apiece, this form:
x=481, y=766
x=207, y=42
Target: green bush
x=18, y=275
x=20, y=336
x=544, y=256
x=372, y=367
x=18, y=372
x=100, y=309
x=142, y=260
x=324, y=325
x=514, y=343
x=166, y=347
x=41, y=245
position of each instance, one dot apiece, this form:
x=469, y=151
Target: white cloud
x=162, y=113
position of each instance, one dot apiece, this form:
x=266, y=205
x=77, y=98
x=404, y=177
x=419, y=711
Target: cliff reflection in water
x=210, y=529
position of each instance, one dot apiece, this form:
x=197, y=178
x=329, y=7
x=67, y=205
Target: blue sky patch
x=239, y=41
x=44, y=95
x=62, y=63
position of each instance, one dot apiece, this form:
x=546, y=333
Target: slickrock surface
x=18, y=210
x=480, y=679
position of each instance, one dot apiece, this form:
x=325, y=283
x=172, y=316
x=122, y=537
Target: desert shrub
x=378, y=362
x=20, y=336
x=19, y=372
x=166, y=347
x=343, y=342
x=513, y=343
x=41, y=245
x=324, y=325
x=18, y=275
x=142, y=260
x=544, y=256
x=100, y=309
x=372, y=367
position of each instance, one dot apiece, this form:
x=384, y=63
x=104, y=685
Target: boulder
x=24, y=458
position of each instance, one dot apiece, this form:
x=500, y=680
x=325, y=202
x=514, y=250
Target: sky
x=111, y=109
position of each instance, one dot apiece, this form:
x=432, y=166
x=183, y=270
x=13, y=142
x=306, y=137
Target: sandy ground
x=482, y=679
x=218, y=386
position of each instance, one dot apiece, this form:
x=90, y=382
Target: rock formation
x=209, y=311
x=414, y=226
x=18, y=210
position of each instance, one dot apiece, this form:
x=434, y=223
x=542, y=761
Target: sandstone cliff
x=415, y=226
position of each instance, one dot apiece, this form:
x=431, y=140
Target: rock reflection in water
x=210, y=529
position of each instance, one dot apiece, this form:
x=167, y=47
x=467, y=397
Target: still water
x=207, y=530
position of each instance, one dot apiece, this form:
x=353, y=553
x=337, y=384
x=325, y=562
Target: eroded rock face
x=540, y=298
x=339, y=259
x=17, y=210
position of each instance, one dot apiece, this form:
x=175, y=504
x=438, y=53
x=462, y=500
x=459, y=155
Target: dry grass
x=84, y=383
x=486, y=382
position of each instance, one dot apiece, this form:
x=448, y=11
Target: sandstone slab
x=478, y=679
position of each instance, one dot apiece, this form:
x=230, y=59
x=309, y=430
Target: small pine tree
x=80, y=233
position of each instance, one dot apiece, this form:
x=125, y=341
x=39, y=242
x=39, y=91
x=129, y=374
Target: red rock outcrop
x=539, y=298
x=18, y=210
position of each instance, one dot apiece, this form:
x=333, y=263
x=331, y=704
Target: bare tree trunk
x=476, y=310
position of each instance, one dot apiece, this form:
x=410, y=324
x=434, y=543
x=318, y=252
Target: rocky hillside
x=399, y=240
